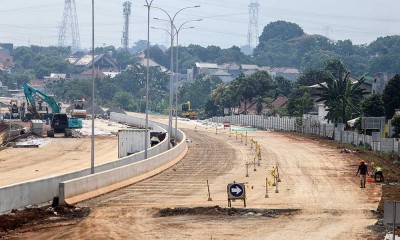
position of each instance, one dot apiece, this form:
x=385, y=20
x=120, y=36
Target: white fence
x=311, y=127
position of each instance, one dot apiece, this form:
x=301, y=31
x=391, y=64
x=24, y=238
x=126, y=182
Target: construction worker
x=363, y=170
x=377, y=173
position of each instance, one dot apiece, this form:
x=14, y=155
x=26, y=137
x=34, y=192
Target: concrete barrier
x=83, y=188
x=43, y=190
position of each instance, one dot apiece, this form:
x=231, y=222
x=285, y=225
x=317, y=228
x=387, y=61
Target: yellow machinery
x=188, y=112
x=78, y=111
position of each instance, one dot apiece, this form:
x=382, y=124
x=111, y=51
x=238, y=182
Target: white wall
x=42, y=190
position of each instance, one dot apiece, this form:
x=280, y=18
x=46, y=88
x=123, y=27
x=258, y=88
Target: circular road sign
x=236, y=190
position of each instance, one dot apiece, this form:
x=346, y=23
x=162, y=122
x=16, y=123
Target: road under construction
x=317, y=195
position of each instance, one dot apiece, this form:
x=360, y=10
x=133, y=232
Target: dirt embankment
x=29, y=219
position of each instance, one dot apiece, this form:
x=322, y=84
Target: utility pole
x=70, y=26
x=252, y=35
x=125, y=32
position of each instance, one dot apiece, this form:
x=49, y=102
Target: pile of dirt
x=224, y=212
x=17, y=220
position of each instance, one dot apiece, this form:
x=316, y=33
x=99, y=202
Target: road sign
x=227, y=124
x=236, y=191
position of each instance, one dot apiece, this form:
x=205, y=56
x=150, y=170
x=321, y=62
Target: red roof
x=96, y=73
x=279, y=102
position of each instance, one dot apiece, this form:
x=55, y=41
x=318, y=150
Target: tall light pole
x=177, y=31
x=171, y=21
x=146, y=141
x=92, y=142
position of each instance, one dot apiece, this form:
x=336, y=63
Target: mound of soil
x=218, y=211
x=19, y=219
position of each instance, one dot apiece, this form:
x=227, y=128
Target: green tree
x=217, y=93
x=5, y=78
x=312, y=76
x=159, y=56
x=391, y=96
x=139, y=46
x=124, y=58
x=281, y=30
x=125, y=101
x=373, y=106
x=299, y=102
x=315, y=59
x=338, y=93
x=283, y=87
x=233, y=54
x=275, y=53
x=197, y=92
x=396, y=125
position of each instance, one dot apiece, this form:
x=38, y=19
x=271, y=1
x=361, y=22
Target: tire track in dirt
x=206, y=160
x=330, y=207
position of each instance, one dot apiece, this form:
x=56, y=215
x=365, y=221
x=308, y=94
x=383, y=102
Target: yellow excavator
x=188, y=112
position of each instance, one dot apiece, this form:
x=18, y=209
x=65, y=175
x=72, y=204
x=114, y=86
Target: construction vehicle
x=78, y=111
x=187, y=111
x=42, y=113
x=14, y=110
x=60, y=124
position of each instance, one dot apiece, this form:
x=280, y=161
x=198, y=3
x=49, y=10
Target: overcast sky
x=225, y=22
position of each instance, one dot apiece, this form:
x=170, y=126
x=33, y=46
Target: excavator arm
x=30, y=92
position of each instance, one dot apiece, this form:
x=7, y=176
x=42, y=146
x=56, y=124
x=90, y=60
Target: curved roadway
x=316, y=179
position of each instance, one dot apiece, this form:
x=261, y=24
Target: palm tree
x=338, y=92
x=217, y=94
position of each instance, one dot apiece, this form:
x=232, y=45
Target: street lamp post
x=146, y=141
x=92, y=142
x=171, y=21
x=177, y=69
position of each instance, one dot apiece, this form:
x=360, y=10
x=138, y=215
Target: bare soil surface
x=58, y=156
x=317, y=180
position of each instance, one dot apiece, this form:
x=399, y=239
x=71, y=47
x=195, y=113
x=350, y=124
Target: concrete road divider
x=86, y=187
x=43, y=190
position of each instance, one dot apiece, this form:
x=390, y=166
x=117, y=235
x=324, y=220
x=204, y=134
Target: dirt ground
x=59, y=155
x=318, y=189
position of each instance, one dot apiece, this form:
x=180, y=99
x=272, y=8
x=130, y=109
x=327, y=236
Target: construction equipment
x=187, y=111
x=78, y=111
x=60, y=124
x=42, y=113
x=14, y=110
x=39, y=112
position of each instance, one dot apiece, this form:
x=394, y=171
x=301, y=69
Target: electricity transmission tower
x=252, y=36
x=125, y=32
x=70, y=26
